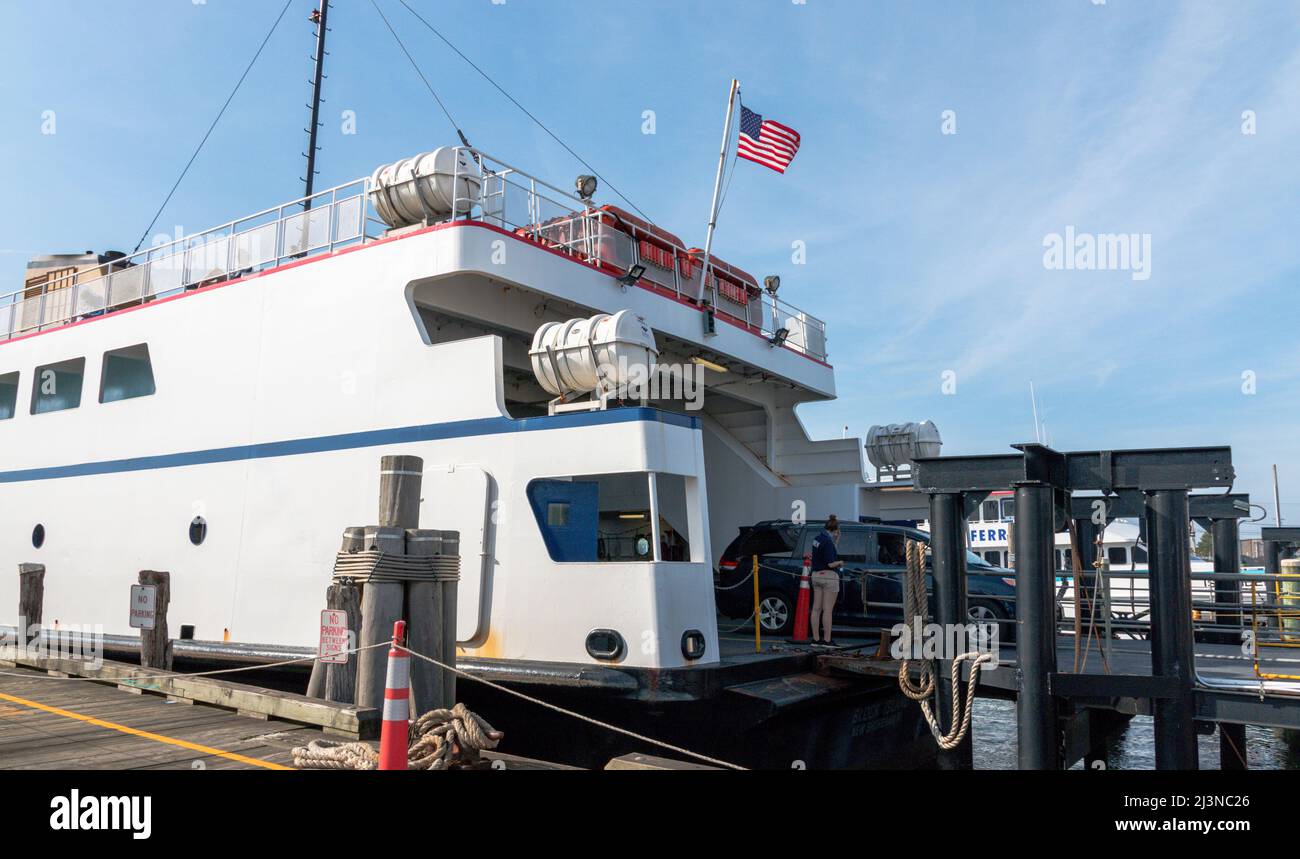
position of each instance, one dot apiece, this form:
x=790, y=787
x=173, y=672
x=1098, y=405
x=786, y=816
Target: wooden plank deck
x=46, y=723
x=76, y=724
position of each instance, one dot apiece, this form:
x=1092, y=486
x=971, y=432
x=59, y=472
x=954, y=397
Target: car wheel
x=775, y=613
x=984, y=611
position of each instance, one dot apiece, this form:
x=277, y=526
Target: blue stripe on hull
x=350, y=441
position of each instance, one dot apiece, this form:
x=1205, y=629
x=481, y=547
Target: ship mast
x=320, y=18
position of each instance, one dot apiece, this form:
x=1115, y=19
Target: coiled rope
x=915, y=606
x=439, y=740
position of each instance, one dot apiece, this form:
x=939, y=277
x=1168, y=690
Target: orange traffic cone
x=395, y=730
x=804, y=607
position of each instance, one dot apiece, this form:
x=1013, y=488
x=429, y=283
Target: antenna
x=320, y=18
x=1033, y=401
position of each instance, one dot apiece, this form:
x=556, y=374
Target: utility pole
x=319, y=17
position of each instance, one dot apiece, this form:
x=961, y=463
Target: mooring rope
x=166, y=675
x=914, y=601
x=439, y=740
x=588, y=719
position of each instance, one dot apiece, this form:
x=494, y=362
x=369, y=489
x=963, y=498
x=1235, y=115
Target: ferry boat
x=988, y=535
x=217, y=406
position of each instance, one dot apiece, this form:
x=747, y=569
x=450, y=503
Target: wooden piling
x=316, y=682
x=31, y=599
x=424, y=626
x=354, y=540
x=382, y=603
x=341, y=678
x=156, y=643
x=400, y=479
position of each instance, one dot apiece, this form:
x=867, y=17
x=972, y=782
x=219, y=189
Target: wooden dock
x=50, y=722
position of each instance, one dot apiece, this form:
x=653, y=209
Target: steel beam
x=1146, y=469
x=1131, y=504
x=1279, y=535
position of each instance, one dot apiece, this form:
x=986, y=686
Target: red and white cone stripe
x=395, y=734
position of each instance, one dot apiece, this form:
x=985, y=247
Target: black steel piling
x=948, y=548
x=1036, y=712
x=1171, y=627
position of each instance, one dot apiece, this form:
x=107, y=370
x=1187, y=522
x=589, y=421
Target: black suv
x=874, y=558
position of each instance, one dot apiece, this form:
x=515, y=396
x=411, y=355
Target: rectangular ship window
x=604, y=518
x=674, y=517
x=57, y=387
x=8, y=396
x=127, y=374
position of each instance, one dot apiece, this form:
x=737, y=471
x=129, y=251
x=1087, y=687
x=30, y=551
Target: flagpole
x=717, y=185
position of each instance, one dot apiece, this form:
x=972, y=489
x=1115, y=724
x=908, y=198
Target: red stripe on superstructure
x=603, y=267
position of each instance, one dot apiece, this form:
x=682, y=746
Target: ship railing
x=322, y=223
x=509, y=199
x=516, y=201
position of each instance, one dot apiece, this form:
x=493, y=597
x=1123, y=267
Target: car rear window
x=764, y=542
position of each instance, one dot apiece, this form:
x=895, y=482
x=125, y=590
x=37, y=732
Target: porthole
x=198, y=530
x=38, y=536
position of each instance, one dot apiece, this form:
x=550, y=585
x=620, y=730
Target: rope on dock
x=167, y=675
x=447, y=738
x=914, y=602
x=439, y=740
x=329, y=755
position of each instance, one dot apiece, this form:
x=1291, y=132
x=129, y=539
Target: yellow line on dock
x=147, y=735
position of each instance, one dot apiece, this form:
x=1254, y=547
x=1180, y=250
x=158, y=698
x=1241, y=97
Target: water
x=994, y=724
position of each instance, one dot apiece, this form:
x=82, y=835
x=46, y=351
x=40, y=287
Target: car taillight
x=1007, y=581
x=728, y=565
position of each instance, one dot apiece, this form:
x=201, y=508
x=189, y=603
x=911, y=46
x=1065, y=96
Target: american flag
x=766, y=142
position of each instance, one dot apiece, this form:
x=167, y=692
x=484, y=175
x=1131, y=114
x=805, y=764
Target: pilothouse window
x=614, y=518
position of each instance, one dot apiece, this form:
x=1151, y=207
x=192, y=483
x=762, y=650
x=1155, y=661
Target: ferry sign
x=144, y=606
x=992, y=534
x=334, y=635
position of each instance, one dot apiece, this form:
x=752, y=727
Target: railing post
x=1039, y=746
x=1171, y=627
x=948, y=550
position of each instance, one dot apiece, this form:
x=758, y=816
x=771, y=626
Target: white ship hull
x=276, y=396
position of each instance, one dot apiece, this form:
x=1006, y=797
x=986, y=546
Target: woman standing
x=825, y=580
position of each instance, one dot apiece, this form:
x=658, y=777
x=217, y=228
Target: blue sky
x=924, y=249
